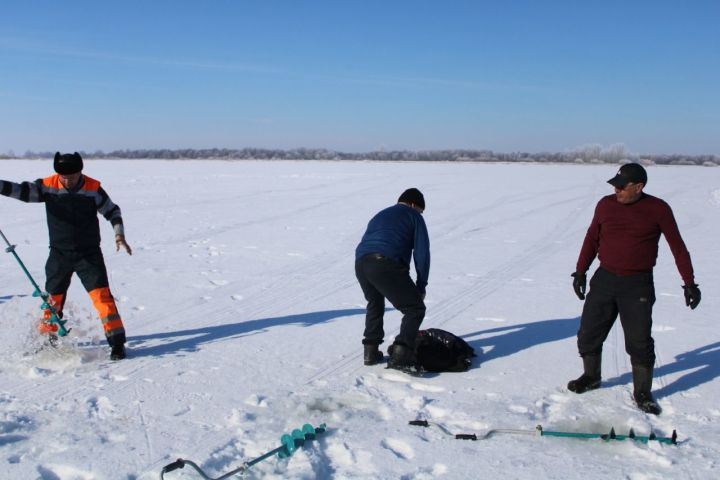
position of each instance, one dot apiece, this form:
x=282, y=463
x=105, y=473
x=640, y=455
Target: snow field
x=244, y=321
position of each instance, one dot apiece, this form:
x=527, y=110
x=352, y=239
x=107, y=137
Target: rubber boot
x=590, y=379
x=642, y=383
x=371, y=354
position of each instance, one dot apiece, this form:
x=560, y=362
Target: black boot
x=642, y=383
x=402, y=358
x=590, y=379
x=117, y=352
x=371, y=354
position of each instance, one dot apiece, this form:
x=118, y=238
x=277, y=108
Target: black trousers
x=61, y=264
x=631, y=297
x=383, y=278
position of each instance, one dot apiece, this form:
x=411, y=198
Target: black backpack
x=440, y=351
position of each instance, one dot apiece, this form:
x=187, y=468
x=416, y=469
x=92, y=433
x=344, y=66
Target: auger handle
x=179, y=463
x=419, y=423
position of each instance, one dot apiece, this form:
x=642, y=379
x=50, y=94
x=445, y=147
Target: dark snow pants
x=631, y=297
x=90, y=267
x=384, y=278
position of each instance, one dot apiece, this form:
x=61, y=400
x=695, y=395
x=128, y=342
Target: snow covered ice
x=244, y=322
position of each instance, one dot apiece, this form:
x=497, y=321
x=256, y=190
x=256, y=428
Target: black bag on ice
x=441, y=351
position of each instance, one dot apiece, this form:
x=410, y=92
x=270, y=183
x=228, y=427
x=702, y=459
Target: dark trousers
x=61, y=264
x=380, y=278
x=90, y=267
x=631, y=297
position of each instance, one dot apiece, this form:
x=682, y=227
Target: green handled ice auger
x=611, y=436
x=289, y=443
x=539, y=432
x=54, y=319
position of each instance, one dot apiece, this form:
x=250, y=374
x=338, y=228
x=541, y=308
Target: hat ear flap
x=57, y=156
x=77, y=156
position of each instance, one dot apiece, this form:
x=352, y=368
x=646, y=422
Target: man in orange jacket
x=72, y=203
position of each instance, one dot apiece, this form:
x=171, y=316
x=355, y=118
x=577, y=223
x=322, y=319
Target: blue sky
x=360, y=75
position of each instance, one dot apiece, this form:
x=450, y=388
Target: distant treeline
x=586, y=154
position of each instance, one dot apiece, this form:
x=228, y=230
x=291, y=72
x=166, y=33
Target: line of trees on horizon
x=615, y=153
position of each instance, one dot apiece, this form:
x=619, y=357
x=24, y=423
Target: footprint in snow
x=256, y=401
x=427, y=473
x=56, y=470
x=518, y=409
x=399, y=448
x=100, y=407
x=436, y=412
x=355, y=461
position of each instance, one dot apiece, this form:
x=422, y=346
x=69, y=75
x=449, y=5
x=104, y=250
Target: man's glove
x=579, y=284
x=692, y=295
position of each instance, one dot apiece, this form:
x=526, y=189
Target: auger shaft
x=289, y=443
x=54, y=319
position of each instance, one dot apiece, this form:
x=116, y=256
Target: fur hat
x=68, y=163
x=413, y=196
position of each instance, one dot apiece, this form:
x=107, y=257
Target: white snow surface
x=244, y=322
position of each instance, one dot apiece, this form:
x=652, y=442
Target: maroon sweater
x=625, y=237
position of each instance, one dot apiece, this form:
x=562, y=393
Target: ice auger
x=54, y=319
x=288, y=444
x=540, y=432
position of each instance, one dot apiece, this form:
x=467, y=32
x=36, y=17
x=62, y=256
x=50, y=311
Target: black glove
x=692, y=295
x=579, y=283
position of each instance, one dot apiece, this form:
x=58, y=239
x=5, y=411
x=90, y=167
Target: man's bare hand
x=120, y=242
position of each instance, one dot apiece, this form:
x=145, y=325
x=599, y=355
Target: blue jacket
x=399, y=232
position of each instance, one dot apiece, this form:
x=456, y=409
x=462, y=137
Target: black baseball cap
x=629, y=173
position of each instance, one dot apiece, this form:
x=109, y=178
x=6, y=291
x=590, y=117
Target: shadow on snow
x=189, y=340
x=511, y=339
x=7, y=298
x=702, y=366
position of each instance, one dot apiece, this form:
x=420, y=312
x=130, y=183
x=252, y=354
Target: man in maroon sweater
x=624, y=235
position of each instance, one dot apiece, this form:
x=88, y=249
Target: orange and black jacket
x=71, y=214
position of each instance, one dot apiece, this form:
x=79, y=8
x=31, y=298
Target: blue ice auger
x=54, y=319
x=288, y=444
